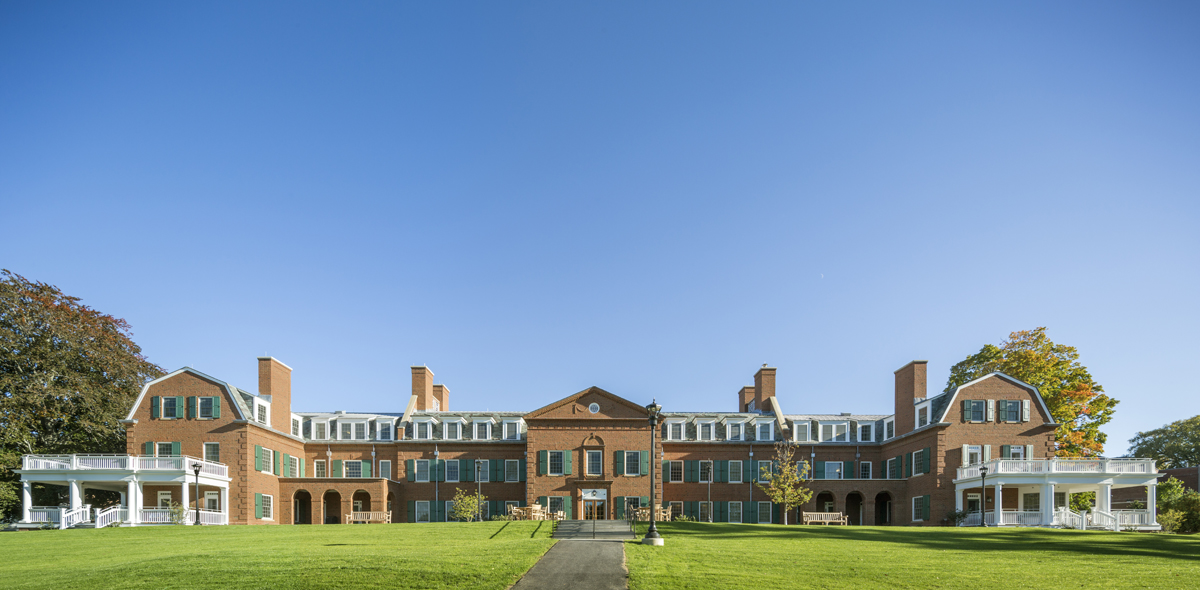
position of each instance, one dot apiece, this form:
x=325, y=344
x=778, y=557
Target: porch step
x=85, y=525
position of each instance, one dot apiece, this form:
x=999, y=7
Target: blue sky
x=654, y=198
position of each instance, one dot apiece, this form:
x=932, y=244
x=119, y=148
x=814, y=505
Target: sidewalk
x=589, y=556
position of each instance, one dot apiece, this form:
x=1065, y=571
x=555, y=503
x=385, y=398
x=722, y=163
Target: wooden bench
x=825, y=518
x=643, y=514
x=369, y=517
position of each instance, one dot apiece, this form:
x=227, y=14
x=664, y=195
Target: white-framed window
x=358, y=506
x=509, y=505
x=512, y=470
x=212, y=452
x=295, y=427
x=894, y=468
x=889, y=428
x=353, y=468
x=164, y=499
x=833, y=469
x=1016, y=452
x=452, y=430
x=294, y=465
x=705, y=512
x=449, y=509
x=866, y=433
x=319, y=430
x=170, y=409
x=483, y=431
x=512, y=431
x=733, y=431
x=595, y=463
x=973, y=503
x=633, y=463
x=835, y=431
x=766, y=431
x=212, y=500
x=735, y=512
x=704, y=431
x=556, y=504
x=735, y=472
x=555, y=463
x=452, y=470
x=864, y=470
x=482, y=470
x=206, y=406
x=268, y=507
x=675, y=430
x=422, y=511
x=384, y=429
x=319, y=468
x=922, y=416
x=764, y=512
x=268, y=460
x=422, y=466
x=345, y=428
x=918, y=508
x=1010, y=410
x=801, y=430
x=764, y=471
x=676, y=471
x=385, y=469
x=262, y=413
x=676, y=509
x=1031, y=502
x=422, y=430
x=706, y=472
x=360, y=431
x=974, y=454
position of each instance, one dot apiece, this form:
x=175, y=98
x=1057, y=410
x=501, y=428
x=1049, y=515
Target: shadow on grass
x=499, y=530
x=1092, y=543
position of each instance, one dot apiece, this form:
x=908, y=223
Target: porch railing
x=121, y=463
x=1059, y=465
x=1020, y=518
x=1133, y=517
x=45, y=514
x=1068, y=518
x=156, y=515
x=111, y=515
x=71, y=518
x=207, y=517
x=1103, y=519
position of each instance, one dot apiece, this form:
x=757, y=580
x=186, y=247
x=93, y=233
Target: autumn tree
x=68, y=375
x=467, y=507
x=785, y=479
x=1076, y=402
x=1174, y=445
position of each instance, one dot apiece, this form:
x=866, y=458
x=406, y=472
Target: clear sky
x=654, y=198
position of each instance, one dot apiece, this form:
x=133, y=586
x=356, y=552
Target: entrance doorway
x=594, y=510
x=883, y=509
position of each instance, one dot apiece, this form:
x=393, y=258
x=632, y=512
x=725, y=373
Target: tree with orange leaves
x=1075, y=400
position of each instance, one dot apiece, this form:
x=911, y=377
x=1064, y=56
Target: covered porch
x=148, y=486
x=1037, y=492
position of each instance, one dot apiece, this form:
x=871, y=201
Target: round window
x=595, y=407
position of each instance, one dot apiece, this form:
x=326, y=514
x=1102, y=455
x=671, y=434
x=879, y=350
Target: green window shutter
x=439, y=471
x=301, y=466
x=257, y=505
x=819, y=472
x=750, y=512
x=543, y=461
x=216, y=407
x=691, y=472
x=412, y=509
x=691, y=509
x=149, y=449
x=925, y=458
x=497, y=467
x=907, y=458
x=775, y=516
x=722, y=471
x=666, y=472
x=523, y=468
x=287, y=467
x=176, y=451
x=1002, y=409
x=927, y=513
x=848, y=470
x=439, y=512
x=410, y=471
x=567, y=462
x=178, y=404
x=618, y=462
x=191, y=407
x=155, y=405
x=257, y=458
x=277, y=458
x=495, y=507
x=366, y=468
x=966, y=410
x=1005, y=451
x=468, y=469
x=645, y=463
x=722, y=511
x=644, y=501
x=543, y=501
x=337, y=467
x=619, y=507
x=567, y=508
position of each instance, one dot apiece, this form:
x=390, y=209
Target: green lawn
x=762, y=557
x=473, y=556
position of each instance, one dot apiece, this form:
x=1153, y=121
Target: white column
x=958, y=500
x=1047, y=504
x=76, y=494
x=184, y=500
x=999, y=500
x=1104, y=498
x=135, y=502
x=1152, y=501
x=27, y=499
x=225, y=503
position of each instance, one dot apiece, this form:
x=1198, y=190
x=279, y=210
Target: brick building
x=253, y=460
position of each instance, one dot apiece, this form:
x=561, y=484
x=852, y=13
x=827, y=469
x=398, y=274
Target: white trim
x=204, y=451
x=504, y=429
x=475, y=428
x=741, y=471
x=758, y=422
x=461, y=422
x=517, y=479
x=229, y=389
x=741, y=429
x=1013, y=380
x=796, y=424
x=268, y=499
x=712, y=429
x=867, y=424
x=682, y=422
x=884, y=435
x=925, y=405
x=834, y=423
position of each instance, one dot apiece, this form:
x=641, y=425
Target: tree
x=68, y=375
x=786, y=479
x=1076, y=402
x=1174, y=445
x=466, y=507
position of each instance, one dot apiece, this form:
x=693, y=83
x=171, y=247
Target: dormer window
x=766, y=431
x=889, y=428
x=512, y=431
x=675, y=430
x=866, y=433
x=360, y=431
x=922, y=416
x=704, y=431
x=385, y=430
x=835, y=432
x=801, y=428
x=451, y=431
x=319, y=430
x=295, y=427
x=733, y=431
x=422, y=430
x=437, y=405
x=262, y=412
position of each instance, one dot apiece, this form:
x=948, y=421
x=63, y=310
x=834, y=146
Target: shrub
x=178, y=513
x=1170, y=521
x=958, y=516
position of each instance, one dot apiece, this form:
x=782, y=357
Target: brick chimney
x=422, y=387
x=275, y=380
x=745, y=396
x=764, y=386
x=910, y=387
x=442, y=394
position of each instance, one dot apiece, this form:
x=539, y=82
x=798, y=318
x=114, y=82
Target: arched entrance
x=825, y=502
x=360, y=501
x=302, y=507
x=854, y=508
x=883, y=508
x=332, y=502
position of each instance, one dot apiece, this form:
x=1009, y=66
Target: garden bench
x=369, y=517
x=825, y=518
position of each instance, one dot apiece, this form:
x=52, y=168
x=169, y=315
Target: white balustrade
x=47, y=462
x=122, y=462
x=212, y=517
x=1133, y=517
x=101, y=462
x=1020, y=518
x=1104, y=520
x=156, y=515
x=1068, y=518
x=46, y=514
x=74, y=517
x=111, y=515
x=1058, y=465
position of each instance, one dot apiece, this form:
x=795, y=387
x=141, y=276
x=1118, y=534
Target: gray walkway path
x=589, y=556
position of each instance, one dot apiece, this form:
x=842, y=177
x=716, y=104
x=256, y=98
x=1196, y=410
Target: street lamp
x=983, y=496
x=196, y=469
x=652, y=536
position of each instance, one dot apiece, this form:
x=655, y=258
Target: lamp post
x=436, y=501
x=196, y=469
x=652, y=536
x=983, y=496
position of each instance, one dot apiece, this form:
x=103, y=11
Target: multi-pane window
x=164, y=449
x=556, y=504
x=482, y=431
x=764, y=471
x=212, y=452
x=764, y=512
x=422, y=466
x=268, y=506
x=511, y=431
x=482, y=469
x=360, y=431
x=833, y=470
x=976, y=410
x=353, y=468
x=765, y=432
x=164, y=499
x=268, y=460
x=358, y=506
x=890, y=428
x=705, y=512
x=834, y=432
x=594, y=463
x=1032, y=502
x=294, y=466
x=512, y=470
x=676, y=509
x=918, y=508
x=345, y=431
x=706, y=431
x=866, y=433
x=212, y=500
x=893, y=466
x=450, y=431
x=735, y=431
x=169, y=407
x=385, y=469
x=422, y=431
x=422, y=511
x=801, y=431
x=1010, y=411
x=319, y=468
x=974, y=454
x=675, y=431
x=385, y=431
x=449, y=508
x=735, y=512
x=922, y=417
x=320, y=431
x=633, y=463
x=556, y=462
x=206, y=407
x=451, y=470
x=735, y=472
x=706, y=472
x=864, y=470
x=676, y=471
x=262, y=413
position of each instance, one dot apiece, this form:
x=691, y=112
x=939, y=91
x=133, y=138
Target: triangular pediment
x=579, y=407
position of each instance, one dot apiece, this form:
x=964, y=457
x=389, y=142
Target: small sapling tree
x=786, y=479
x=466, y=506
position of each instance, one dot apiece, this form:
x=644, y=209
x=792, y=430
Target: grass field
x=764, y=557
x=441, y=555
